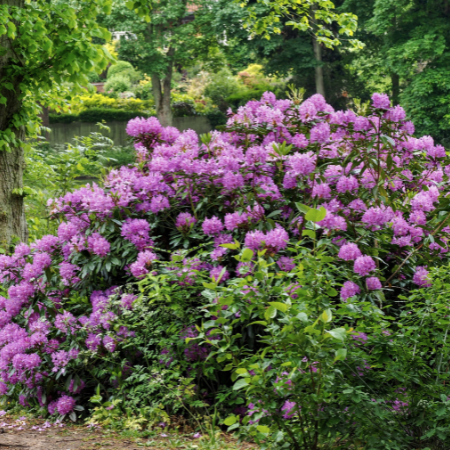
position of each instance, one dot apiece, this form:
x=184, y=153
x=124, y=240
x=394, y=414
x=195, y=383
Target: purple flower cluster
x=184, y=193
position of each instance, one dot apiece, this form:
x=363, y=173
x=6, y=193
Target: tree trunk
x=12, y=213
x=395, y=79
x=161, y=93
x=320, y=86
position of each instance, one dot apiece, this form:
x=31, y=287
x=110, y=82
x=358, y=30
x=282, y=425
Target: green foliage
x=123, y=68
x=222, y=85
x=97, y=115
x=50, y=173
x=216, y=118
x=51, y=45
x=314, y=16
x=118, y=83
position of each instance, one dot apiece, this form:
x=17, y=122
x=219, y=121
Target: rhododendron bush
x=280, y=174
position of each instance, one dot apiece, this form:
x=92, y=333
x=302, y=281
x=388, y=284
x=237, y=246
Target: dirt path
x=25, y=434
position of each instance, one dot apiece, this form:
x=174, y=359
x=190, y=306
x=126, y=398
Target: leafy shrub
x=118, y=83
x=220, y=87
x=123, y=68
x=284, y=180
x=97, y=115
x=102, y=101
x=216, y=118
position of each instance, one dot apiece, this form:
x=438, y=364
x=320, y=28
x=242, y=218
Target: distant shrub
x=118, y=83
x=220, y=87
x=97, y=115
x=216, y=118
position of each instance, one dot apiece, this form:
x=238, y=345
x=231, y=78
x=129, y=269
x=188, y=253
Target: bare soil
x=34, y=435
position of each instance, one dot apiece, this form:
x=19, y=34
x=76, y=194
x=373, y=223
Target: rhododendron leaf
x=241, y=383
x=337, y=333
x=247, y=255
x=326, y=316
x=209, y=324
x=302, y=208
x=316, y=215
x=280, y=306
x=230, y=421
x=309, y=233
x=73, y=416
x=241, y=371
x=259, y=322
x=302, y=316
x=263, y=429
x=231, y=246
x=332, y=292
x=270, y=313
x=341, y=354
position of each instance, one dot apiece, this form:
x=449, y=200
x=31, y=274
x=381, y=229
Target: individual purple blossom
x=321, y=190
x=364, y=265
x=421, y=277
x=137, y=232
x=349, y=252
x=286, y=264
x=184, y=222
x=349, y=289
x=235, y=220
x=109, y=343
x=93, y=342
x=159, y=203
x=139, y=126
x=127, y=300
x=213, y=226
x=65, y=405
x=347, y=184
x=98, y=245
x=143, y=264
x=381, y=101
x=289, y=409
x=65, y=322
x=302, y=164
x=360, y=337
x=373, y=283
x=320, y=133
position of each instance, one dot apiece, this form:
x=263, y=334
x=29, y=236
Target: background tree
x=43, y=46
x=318, y=18
x=164, y=36
x=288, y=54
x=408, y=53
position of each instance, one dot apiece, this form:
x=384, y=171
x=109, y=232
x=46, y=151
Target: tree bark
x=12, y=212
x=320, y=86
x=395, y=79
x=162, y=93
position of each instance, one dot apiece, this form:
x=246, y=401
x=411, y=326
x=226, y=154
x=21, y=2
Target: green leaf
x=270, y=313
x=241, y=383
x=302, y=208
x=230, y=420
x=231, y=246
x=341, y=354
x=309, y=233
x=332, y=292
x=280, y=306
x=263, y=429
x=337, y=333
x=247, y=255
x=316, y=215
x=326, y=316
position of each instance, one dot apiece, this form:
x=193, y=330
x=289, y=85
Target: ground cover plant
x=240, y=273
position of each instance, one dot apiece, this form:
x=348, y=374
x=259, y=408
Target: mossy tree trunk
x=12, y=213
